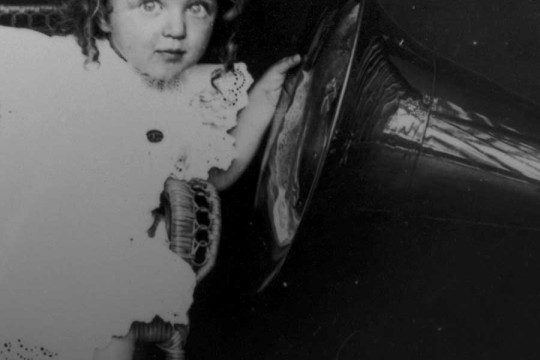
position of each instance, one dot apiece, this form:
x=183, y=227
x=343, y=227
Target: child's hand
x=254, y=119
x=265, y=94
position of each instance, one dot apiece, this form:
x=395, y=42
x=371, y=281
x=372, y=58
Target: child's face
x=161, y=38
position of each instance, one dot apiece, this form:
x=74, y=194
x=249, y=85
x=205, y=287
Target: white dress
x=78, y=182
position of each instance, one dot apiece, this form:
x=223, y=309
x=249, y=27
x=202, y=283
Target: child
x=84, y=152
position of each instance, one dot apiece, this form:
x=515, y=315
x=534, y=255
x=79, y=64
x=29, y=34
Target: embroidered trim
x=217, y=107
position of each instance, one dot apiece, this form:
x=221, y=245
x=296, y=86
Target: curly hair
x=81, y=18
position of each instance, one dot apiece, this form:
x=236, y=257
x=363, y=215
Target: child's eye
x=199, y=9
x=150, y=6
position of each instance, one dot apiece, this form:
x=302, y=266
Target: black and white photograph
x=269, y=179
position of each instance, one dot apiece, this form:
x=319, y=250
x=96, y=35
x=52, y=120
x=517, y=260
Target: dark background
x=497, y=38
x=413, y=290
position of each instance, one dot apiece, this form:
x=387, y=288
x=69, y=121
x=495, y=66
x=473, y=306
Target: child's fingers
x=286, y=64
x=272, y=80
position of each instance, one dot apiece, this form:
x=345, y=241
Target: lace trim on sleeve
x=227, y=94
x=217, y=108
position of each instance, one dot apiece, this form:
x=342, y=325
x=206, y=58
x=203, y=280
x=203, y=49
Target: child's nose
x=175, y=25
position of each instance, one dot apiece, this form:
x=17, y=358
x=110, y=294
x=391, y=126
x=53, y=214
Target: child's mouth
x=172, y=54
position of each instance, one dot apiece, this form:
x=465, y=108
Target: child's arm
x=254, y=119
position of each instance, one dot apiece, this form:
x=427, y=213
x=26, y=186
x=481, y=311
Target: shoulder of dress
x=218, y=95
x=237, y=81
x=23, y=46
x=23, y=39
x=14, y=35
x=231, y=86
x=214, y=75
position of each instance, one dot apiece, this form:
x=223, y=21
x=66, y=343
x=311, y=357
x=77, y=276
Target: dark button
x=154, y=136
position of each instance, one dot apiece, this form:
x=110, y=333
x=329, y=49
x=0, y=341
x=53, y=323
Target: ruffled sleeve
x=216, y=108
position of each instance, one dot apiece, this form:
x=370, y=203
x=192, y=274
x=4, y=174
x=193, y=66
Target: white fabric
x=77, y=185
